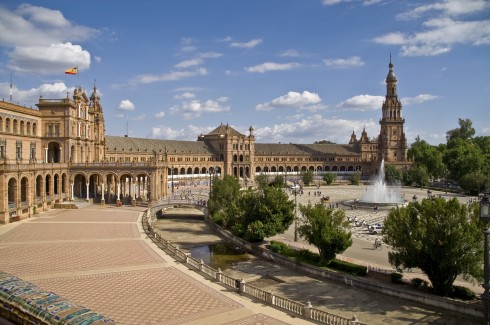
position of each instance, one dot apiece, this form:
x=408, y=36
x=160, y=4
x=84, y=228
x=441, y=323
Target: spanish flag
x=72, y=71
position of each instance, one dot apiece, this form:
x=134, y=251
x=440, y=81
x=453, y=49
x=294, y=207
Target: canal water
x=186, y=228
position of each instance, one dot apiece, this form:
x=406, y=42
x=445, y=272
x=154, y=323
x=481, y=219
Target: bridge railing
x=300, y=309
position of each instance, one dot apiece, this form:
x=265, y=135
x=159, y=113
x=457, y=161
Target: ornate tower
x=392, y=141
x=99, y=126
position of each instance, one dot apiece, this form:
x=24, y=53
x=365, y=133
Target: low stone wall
x=454, y=306
x=302, y=310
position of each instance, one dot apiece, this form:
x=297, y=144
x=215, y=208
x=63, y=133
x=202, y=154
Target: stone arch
x=258, y=169
x=241, y=158
x=56, y=179
x=7, y=125
x=312, y=168
x=24, y=191
x=350, y=168
x=15, y=129
x=189, y=171
x=303, y=168
x=335, y=169
x=22, y=129
x=34, y=128
x=196, y=171
x=12, y=193
x=327, y=168
x=47, y=187
x=342, y=168
x=273, y=169
x=235, y=158
x=39, y=187
x=79, y=186
x=54, y=152
x=182, y=171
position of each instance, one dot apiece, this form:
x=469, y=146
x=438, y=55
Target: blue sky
x=296, y=70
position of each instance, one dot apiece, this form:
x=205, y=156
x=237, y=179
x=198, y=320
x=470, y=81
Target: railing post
x=219, y=274
x=241, y=289
x=201, y=265
x=354, y=320
x=308, y=310
x=187, y=258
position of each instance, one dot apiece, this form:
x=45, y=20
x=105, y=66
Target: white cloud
x=441, y=33
x=290, y=53
x=194, y=108
x=418, y=99
x=159, y=115
x=272, y=66
x=291, y=99
x=308, y=130
x=353, y=61
x=446, y=7
x=247, y=45
x=189, y=63
x=190, y=132
x=364, y=2
x=120, y=115
x=362, y=103
x=126, y=105
x=40, y=40
x=169, y=76
x=210, y=55
x=186, y=95
x=49, y=59
x=30, y=97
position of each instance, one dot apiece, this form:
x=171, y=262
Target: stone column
x=72, y=191
x=88, y=198
x=102, y=200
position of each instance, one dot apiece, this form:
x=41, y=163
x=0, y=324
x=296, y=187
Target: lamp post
x=485, y=218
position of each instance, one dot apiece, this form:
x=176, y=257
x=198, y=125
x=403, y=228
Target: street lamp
x=485, y=218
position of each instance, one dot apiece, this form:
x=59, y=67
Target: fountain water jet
x=379, y=193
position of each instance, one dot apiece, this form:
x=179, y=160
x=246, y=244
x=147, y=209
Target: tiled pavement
x=100, y=258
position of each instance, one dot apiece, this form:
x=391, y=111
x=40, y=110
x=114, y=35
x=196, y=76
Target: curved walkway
x=100, y=258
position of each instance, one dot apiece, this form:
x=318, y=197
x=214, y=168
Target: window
x=3, y=145
x=18, y=150
x=32, y=152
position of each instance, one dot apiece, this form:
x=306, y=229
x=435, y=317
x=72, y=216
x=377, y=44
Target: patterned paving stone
x=49, y=258
x=87, y=215
x=150, y=296
x=30, y=232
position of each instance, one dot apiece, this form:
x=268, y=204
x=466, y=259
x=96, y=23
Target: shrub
x=462, y=293
x=281, y=248
x=396, y=277
x=308, y=257
x=348, y=267
x=419, y=283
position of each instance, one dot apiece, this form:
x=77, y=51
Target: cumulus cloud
x=247, y=45
x=353, y=61
x=362, y=103
x=190, y=132
x=29, y=97
x=159, y=115
x=446, y=7
x=40, y=40
x=169, y=76
x=418, y=99
x=291, y=99
x=126, y=105
x=139, y=117
x=49, y=59
x=313, y=128
x=189, y=63
x=441, y=33
x=194, y=108
x=272, y=66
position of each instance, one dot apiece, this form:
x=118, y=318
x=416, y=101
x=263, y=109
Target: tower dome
x=391, y=75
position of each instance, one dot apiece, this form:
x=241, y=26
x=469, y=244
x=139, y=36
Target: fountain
x=379, y=194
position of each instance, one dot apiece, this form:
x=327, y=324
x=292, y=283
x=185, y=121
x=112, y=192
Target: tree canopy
x=326, y=229
x=442, y=238
x=329, y=178
x=307, y=177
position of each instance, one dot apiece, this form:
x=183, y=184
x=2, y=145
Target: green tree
x=464, y=132
x=355, y=178
x=278, y=181
x=393, y=174
x=442, y=238
x=419, y=175
x=474, y=182
x=325, y=228
x=463, y=157
x=329, y=178
x=262, y=213
x=223, y=198
x=262, y=181
x=307, y=177
x=323, y=142
x=423, y=154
